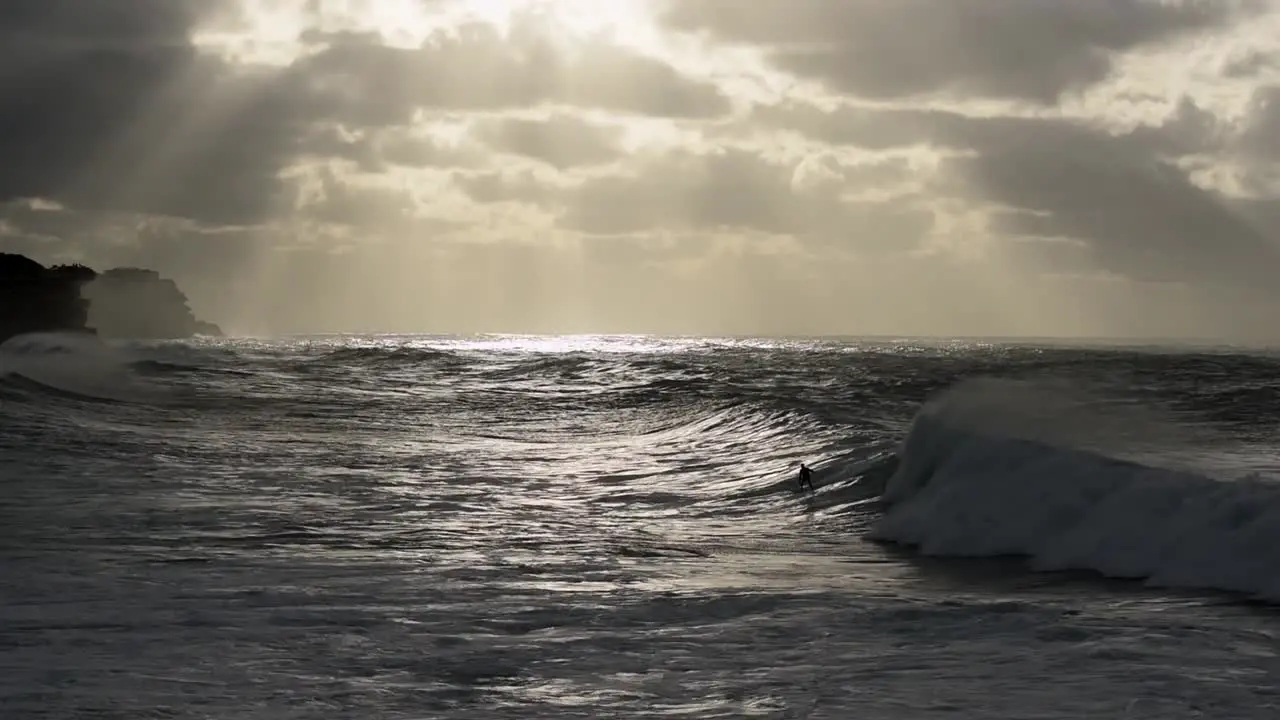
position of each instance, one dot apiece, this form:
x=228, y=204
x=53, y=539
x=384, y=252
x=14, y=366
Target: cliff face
x=138, y=303
x=120, y=303
x=34, y=298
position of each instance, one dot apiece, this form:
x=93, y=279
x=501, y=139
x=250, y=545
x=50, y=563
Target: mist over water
x=504, y=526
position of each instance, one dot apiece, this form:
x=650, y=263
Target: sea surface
x=594, y=527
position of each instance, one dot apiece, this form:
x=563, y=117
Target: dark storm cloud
x=107, y=106
x=1261, y=213
x=521, y=186
x=90, y=91
x=562, y=141
x=1141, y=216
x=343, y=203
x=475, y=67
x=1032, y=49
x=739, y=190
x=1134, y=212
x=1250, y=64
x=105, y=240
x=334, y=141
x=731, y=189
x=1261, y=135
x=28, y=218
x=375, y=150
x=1189, y=129
x=61, y=25
x=402, y=148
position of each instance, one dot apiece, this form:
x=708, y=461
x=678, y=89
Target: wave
x=73, y=365
x=16, y=386
x=986, y=489
x=387, y=356
x=1055, y=473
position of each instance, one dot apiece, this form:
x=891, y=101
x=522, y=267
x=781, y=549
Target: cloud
x=1189, y=129
x=736, y=189
x=1260, y=138
x=115, y=110
x=1141, y=218
x=341, y=201
x=61, y=25
x=1025, y=166
x=511, y=186
x=562, y=141
x=474, y=67
x=1033, y=50
x=381, y=149
x=1121, y=196
x=120, y=111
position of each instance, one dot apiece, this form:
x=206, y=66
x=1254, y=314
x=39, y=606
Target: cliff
x=120, y=303
x=35, y=298
x=138, y=303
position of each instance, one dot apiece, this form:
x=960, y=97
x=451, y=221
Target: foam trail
x=965, y=492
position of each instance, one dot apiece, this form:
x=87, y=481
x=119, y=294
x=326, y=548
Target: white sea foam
x=975, y=482
x=75, y=363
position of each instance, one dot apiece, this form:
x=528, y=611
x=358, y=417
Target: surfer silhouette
x=806, y=476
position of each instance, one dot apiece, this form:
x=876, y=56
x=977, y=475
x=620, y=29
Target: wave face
x=965, y=489
x=506, y=526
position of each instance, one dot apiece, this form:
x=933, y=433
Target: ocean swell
x=70, y=365
x=975, y=490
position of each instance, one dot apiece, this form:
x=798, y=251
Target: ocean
x=590, y=527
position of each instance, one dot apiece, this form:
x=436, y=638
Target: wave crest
x=975, y=491
x=72, y=364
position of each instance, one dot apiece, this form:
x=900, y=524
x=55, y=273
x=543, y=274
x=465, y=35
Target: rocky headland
x=127, y=303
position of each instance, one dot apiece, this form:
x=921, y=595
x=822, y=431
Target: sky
x=749, y=167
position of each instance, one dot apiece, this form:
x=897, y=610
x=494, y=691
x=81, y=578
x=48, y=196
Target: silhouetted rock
x=204, y=327
x=34, y=298
x=79, y=274
x=120, y=303
x=138, y=303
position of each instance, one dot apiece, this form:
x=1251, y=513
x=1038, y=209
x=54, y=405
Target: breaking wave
x=70, y=364
x=976, y=479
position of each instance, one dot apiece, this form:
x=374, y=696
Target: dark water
x=412, y=527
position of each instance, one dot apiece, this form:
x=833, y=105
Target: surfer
x=806, y=476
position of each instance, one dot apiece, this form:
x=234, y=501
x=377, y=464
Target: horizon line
x=1148, y=340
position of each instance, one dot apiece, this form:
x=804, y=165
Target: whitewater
x=591, y=526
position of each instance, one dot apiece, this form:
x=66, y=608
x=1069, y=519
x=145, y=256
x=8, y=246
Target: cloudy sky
x=906, y=167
